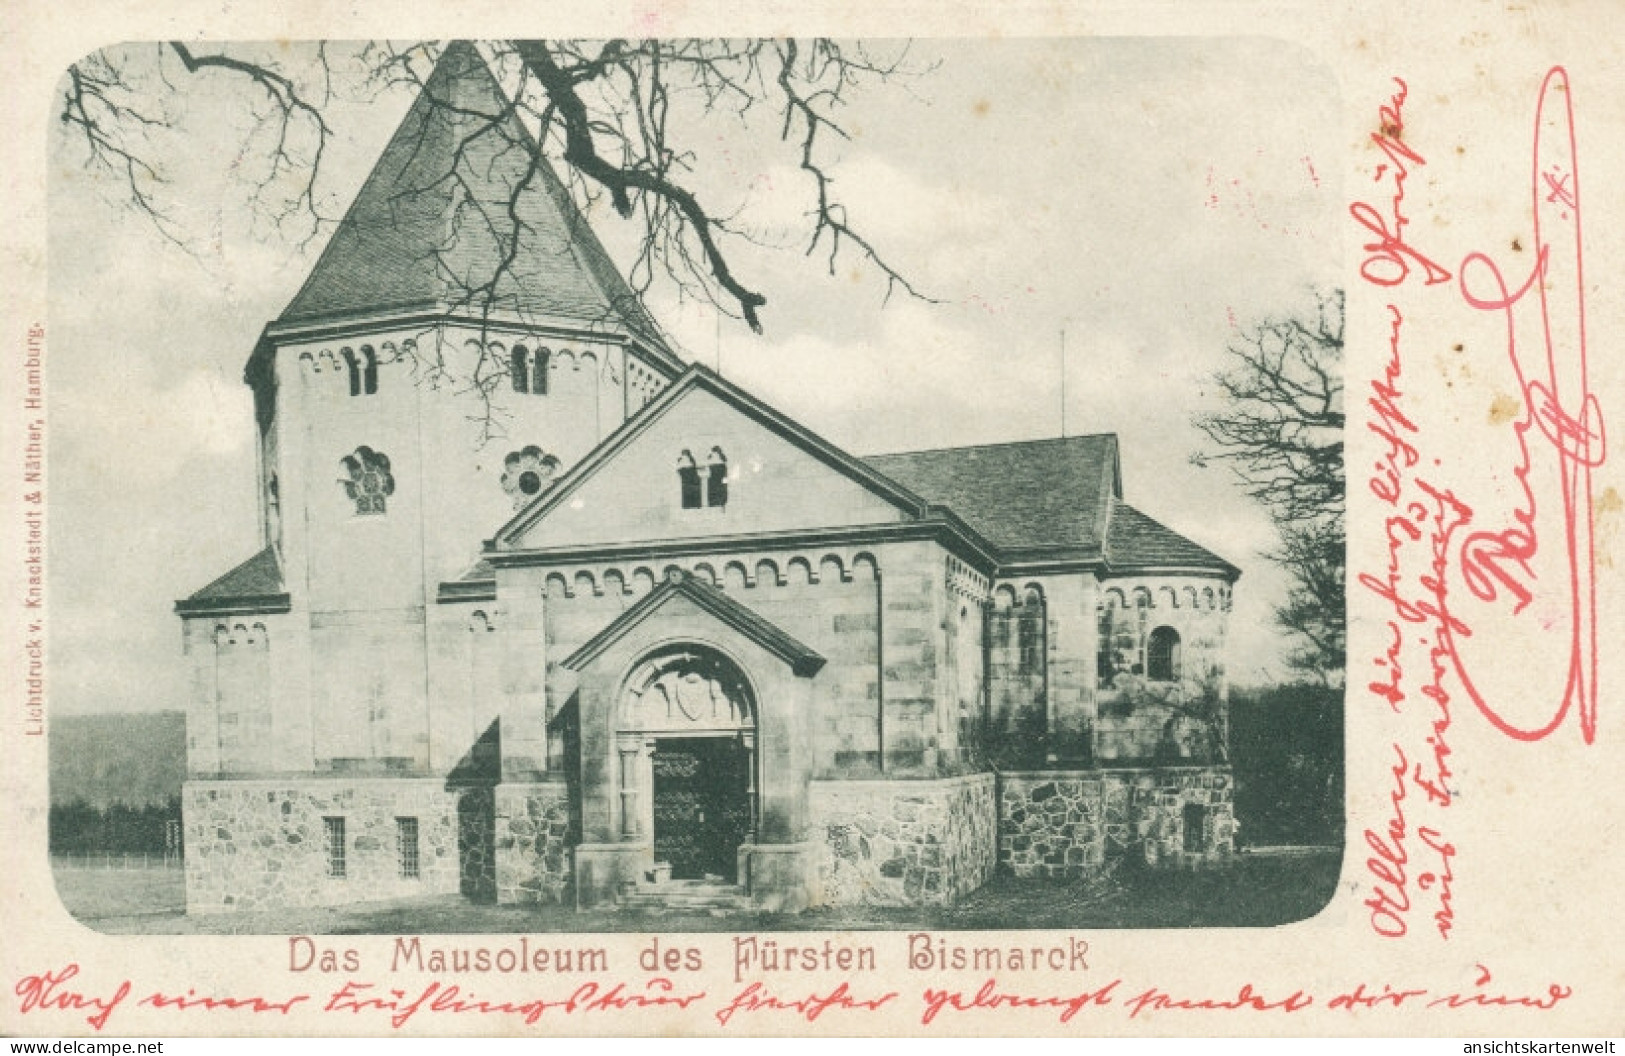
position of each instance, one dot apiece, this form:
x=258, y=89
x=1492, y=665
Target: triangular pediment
x=683, y=591
x=781, y=477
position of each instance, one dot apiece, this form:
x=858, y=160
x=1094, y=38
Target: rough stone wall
x=1061, y=824
x=1147, y=813
x=534, y=837
x=476, y=843
x=904, y=842
x=1051, y=823
x=252, y=844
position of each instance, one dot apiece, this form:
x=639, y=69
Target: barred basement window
x=406, y=847
x=1195, y=827
x=335, y=847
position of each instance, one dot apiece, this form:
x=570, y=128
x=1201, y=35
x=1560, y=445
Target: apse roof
x=1137, y=541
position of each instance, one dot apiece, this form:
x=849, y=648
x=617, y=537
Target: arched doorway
x=687, y=735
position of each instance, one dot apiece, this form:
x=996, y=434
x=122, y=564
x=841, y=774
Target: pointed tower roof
x=434, y=225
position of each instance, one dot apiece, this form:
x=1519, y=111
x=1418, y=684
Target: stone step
x=686, y=894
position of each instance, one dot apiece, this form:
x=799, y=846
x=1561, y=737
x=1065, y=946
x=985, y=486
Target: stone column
x=749, y=742
x=629, y=790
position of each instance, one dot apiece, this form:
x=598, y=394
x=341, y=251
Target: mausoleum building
x=542, y=613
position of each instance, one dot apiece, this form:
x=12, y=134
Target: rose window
x=369, y=482
x=526, y=472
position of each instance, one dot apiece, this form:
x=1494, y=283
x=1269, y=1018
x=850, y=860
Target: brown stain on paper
x=1503, y=409
x=1605, y=525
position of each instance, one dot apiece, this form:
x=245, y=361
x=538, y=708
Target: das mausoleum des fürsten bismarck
x=657, y=639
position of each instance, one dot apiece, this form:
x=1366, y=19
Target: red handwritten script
x=1460, y=582
x=1390, y=258
x=374, y=1004
x=1410, y=862
x=1504, y=567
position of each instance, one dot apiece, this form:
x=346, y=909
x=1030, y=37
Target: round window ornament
x=527, y=472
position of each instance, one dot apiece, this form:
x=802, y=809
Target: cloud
x=144, y=433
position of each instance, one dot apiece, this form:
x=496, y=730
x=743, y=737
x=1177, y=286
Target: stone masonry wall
x=1151, y=811
x=252, y=844
x=534, y=837
x=1051, y=823
x=1064, y=824
x=904, y=842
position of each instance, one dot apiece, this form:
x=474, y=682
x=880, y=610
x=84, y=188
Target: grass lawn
x=1259, y=890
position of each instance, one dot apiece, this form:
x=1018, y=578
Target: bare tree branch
x=1281, y=433
x=110, y=129
x=824, y=63
x=291, y=108
x=621, y=115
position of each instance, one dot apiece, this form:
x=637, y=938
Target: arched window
x=1031, y=627
x=538, y=372
x=1162, y=655
x=519, y=368
x=716, y=489
x=1105, y=624
x=354, y=370
x=369, y=483
x=688, y=478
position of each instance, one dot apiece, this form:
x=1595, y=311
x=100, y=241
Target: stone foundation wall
x=1051, y=823
x=263, y=843
x=1064, y=824
x=922, y=842
x=1151, y=812
x=535, y=835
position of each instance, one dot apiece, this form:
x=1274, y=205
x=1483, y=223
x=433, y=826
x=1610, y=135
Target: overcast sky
x=1146, y=197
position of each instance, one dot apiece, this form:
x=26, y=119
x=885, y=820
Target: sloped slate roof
x=1135, y=540
x=431, y=224
x=254, y=585
x=1029, y=494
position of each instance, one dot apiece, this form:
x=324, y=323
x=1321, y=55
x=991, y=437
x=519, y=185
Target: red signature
x=1559, y=407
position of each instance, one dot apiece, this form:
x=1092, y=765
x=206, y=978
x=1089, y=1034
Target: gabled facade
x=608, y=624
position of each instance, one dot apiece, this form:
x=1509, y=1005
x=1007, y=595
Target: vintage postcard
x=1082, y=522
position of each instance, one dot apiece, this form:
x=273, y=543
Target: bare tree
x=616, y=113
x=1281, y=432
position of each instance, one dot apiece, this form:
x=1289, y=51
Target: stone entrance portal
x=687, y=747
x=696, y=755
x=702, y=805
